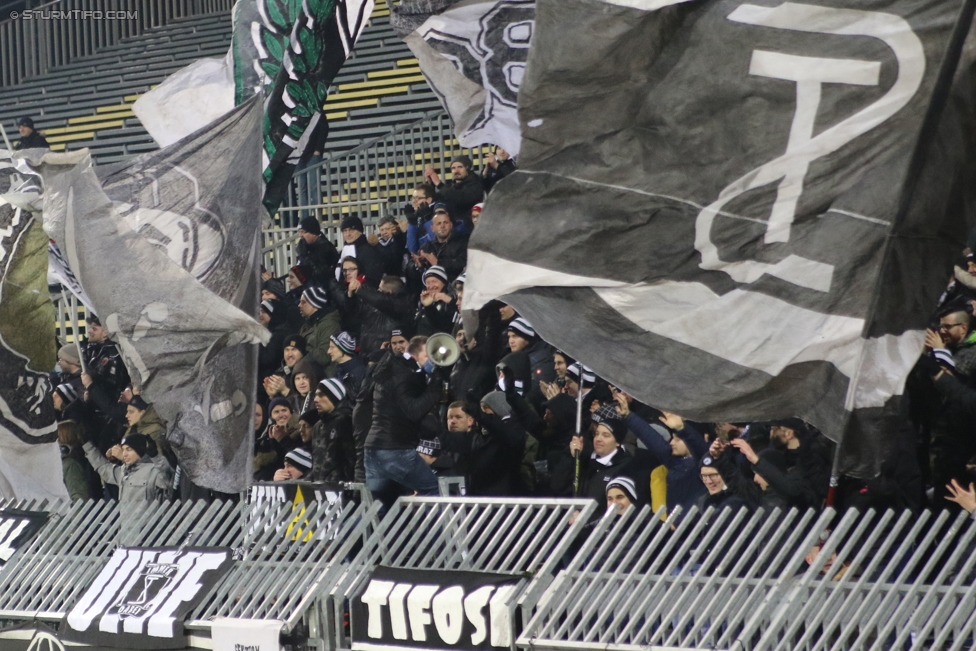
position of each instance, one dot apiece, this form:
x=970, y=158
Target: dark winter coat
x=452, y=254
x=402, y=397
x=379, y=315
x=321, y=255
x=391, y=253
x=461, y=196
x=684, y=485
x=490, y=176
x=333, y=446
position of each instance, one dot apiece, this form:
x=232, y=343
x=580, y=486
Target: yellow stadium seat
x=395, y=72
x=99, y=118
x=115, y=124
x=379, y=83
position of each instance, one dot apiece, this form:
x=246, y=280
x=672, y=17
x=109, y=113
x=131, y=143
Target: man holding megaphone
x=407, y=388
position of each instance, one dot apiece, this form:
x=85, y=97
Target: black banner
x=140, y=598
x=16, y=528
x=299, y=492
x=433, y=609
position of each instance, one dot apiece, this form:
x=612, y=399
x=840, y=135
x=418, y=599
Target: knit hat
x=439, y=207
x=68, y=393
x=69, y=353
x=353, y=222
x=461, y=279
x=93, y=319
x=279, y=401
x=626, y=484
x=604, y=412
x=274, y=286
x=708, y=462
x=589, y=377
x=311, y=417
x=396, y=333
x=496, y=400
x=25, y=122
x=436, y=271
x=522, y=328
x=617, y=427
x=478, y=207
x=316, y=296
x=138, y=442
x=302, y=272
x=300, y=458
x=464, y=160
x=333, y=389
x=430, y=447
x=297, y=341
x=269, y=305
x=139, y=403
x=310, y=224
x=345, y=342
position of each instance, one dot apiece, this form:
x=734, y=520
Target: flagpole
x=579, y=431
x=73, y=306
x=5, y=139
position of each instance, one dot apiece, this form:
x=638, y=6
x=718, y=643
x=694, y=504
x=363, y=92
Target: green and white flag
x=288, y=51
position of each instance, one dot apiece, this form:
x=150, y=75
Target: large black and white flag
x=139, y=599
x=737, y=209
x=17, y=527
x=473, y=53
x=30, y=462
x=433, y=609
x=166, y=247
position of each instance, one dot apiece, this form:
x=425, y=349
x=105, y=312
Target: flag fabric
x=30, y=461
x=473, y=53
x=166, y=247
x=287, y=52
x=59, y=272
x=739, y=210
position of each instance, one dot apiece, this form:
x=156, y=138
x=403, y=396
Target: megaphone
x=442, y=349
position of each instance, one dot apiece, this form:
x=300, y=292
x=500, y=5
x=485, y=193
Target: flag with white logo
x=739, y=210
x=17, y=527
x=166, y=247
x=30, y=462
x=142, y=595
x=434, y=609
x=473, y=53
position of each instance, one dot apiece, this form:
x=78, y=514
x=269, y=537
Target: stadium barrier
x=735, y=580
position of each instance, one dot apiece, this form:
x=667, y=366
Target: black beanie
x=139, y=403
x=297, y=341
x=464, y=160
x=617, y=427
x=354, y=223
x=138, y=442
x=311, y=225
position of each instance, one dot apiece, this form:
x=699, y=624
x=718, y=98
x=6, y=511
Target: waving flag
x=739, y=210
x=166, y=248
x=473, y=53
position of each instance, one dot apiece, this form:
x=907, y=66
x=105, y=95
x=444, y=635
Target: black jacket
x=461, y=196
x=271, y=353
x=391, y=253
x=595, y=476
x=321, y=255
x=36, y=141
x=105, y=366
x=490, y=456
x=491, y=176
x=452, y=254
x=369, y=260
x=402, y=397
x=333, y=446
x=379, y=314
x=434, y=318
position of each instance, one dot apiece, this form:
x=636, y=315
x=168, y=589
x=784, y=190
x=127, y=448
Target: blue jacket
x=684, y=485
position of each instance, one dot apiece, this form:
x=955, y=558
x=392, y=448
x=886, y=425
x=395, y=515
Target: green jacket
x=317, y=331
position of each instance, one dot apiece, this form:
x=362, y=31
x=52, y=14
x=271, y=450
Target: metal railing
x=525, y=537
x=377, y=177
x=765, y=581
x=288, y=559
x=43, y=38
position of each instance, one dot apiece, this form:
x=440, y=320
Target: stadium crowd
x=347, y=392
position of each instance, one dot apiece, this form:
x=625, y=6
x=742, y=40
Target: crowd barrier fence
x=728, y=579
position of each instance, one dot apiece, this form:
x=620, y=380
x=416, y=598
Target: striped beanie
x=300, y=458
x=522, y=328
x=437, y=272
x=626, y=484
x=316, y=296
x=68, y=393
x=334, y=390
x=345, y=342
x=589, y=377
